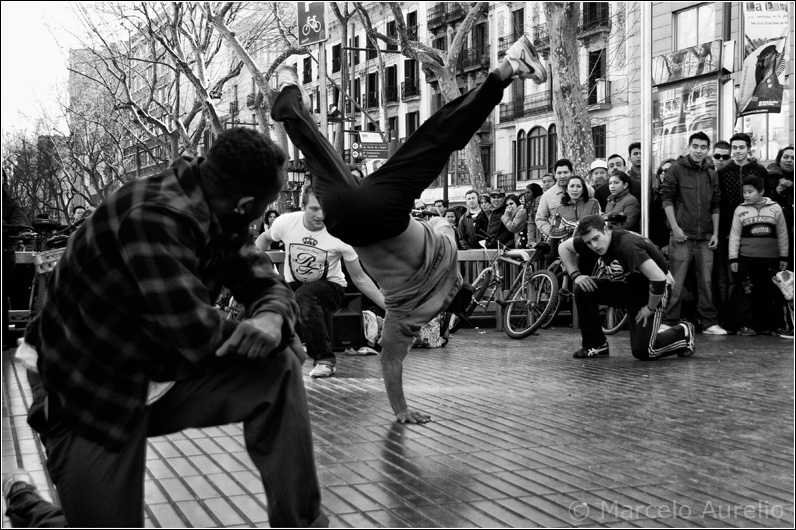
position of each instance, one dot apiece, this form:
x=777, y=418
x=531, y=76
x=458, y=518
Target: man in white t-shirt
x=313, y=270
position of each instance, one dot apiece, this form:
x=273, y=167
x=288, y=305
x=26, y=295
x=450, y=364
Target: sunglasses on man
x=721, y=157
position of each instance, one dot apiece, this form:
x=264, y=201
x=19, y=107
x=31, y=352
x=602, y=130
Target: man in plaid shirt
x=131, y=304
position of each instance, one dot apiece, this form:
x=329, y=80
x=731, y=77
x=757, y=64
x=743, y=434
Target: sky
x=32, y=63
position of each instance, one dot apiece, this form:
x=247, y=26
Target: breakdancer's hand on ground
x=408, y=415
x=255, y=337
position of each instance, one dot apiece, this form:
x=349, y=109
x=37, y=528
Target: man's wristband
x=651, y=309
x=574, y=275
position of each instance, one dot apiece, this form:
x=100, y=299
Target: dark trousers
x=317, y=301
x=759, y=299
x=645, y=341
x=28, y=509
x=725, y=286
x=378, y=207
x=102, y=488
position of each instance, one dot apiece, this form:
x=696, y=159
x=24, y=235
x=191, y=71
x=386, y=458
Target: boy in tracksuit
x=758, y=248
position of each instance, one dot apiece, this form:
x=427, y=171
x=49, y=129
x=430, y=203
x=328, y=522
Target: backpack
x=430, y=336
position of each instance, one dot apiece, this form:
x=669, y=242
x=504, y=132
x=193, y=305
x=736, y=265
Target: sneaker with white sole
x=323, y=370
x=288, y=76
x=715, y=329
x=525, y=61
x=597, y=351
x=785, y=333
x=16, y=481
x=689, y=337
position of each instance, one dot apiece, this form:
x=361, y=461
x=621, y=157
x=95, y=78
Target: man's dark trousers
x=645, y=341
x=377, y=207
x=317, y=301
x=102, y=488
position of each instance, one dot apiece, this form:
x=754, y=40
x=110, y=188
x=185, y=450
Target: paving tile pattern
x=522, y=436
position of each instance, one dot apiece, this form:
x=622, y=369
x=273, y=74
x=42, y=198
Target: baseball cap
x=497, y=192
x=598, y=164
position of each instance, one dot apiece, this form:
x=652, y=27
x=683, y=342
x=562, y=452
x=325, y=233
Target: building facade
x=698, y=52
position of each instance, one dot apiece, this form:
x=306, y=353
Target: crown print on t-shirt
x=309, y=240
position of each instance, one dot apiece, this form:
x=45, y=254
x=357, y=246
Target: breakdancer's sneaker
x=288, y=76
x=525, y=61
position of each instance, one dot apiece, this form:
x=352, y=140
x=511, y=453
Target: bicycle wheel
x=530, y=304
x=548, y=320
x=556, y=269
x=480, y=285
x=614, y=320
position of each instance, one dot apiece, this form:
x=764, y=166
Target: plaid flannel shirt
x=131, y=300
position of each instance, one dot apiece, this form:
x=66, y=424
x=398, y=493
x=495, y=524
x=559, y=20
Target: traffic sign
x=311, y=22
x=370, y=145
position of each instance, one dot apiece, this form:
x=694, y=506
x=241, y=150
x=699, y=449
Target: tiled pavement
x=522, y=436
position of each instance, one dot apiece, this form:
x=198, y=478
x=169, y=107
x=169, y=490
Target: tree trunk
x=572, y=118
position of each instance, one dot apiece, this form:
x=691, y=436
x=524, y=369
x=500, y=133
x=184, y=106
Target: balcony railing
x=537, y=104
x=508, y=111
x=478, y=57
x=410, y=89
x=453, y=12
x=392, y=93
x=371, y=101
x=436, y=16
x=504, y=43
x=596, y=18
x=540, y=36
x=507, y=181
x=527, y=106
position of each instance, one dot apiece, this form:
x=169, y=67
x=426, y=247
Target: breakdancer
x=414, y=262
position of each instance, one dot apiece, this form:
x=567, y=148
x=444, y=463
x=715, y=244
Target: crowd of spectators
x=692, y=206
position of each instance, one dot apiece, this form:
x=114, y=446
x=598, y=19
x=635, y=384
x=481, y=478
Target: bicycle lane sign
x=311, y=22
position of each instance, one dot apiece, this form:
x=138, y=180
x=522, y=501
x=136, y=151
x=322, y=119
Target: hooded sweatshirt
x=758, y=231
x=693, y=190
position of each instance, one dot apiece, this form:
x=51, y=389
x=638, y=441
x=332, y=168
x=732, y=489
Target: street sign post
x=311, y=22
x=369, y=145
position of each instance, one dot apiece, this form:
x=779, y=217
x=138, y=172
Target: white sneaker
x=16, y=481
x=288, y=76
x=323, y=370
x=525, y=61
x=715, y=329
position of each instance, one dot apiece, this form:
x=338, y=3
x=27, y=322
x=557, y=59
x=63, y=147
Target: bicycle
x=49, y=239
x=532, y=294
